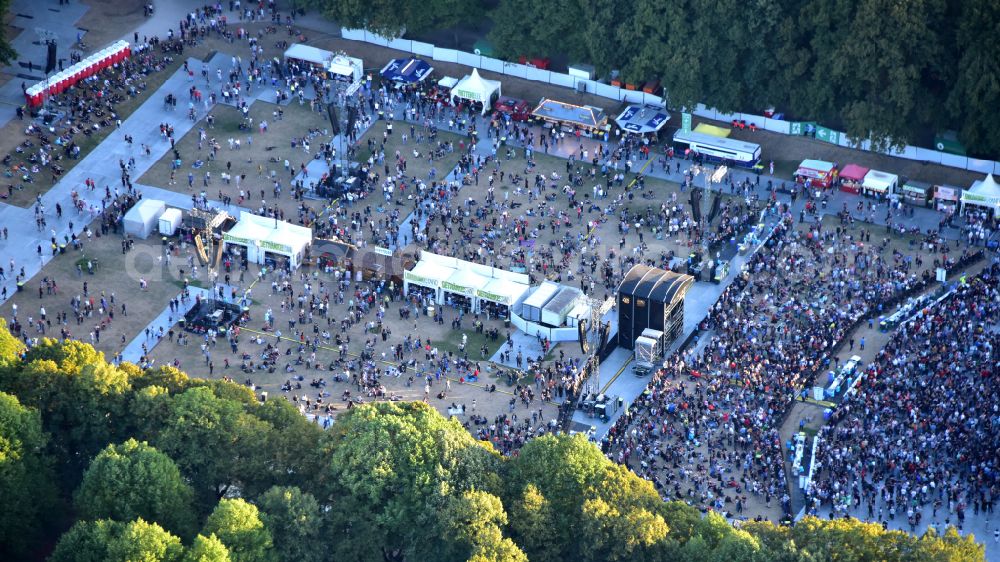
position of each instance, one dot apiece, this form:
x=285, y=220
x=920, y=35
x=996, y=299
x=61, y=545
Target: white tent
x=464, y=282
x=169, y=221
x=880, y=182
x=984, y=193
x=311, y=55
x=502, y=291
x=476, y=88
x=349, y=68
x=262, y=236
x=142, y=218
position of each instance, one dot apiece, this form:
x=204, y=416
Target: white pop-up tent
x=265, y=238
x=476, y=88
x=983, y=194
x=169, y=221
x=141, y=219
x=878, y=182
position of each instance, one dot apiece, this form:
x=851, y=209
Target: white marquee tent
x=141, y=220
x=984, y=193
x=476, y=88
x=262, y=236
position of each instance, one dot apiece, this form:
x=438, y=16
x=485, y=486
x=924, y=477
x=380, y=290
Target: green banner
x=492, y=297
x=456, y=288
x=823, y=134
x=686, y=122
x=413, y=278
x=268, y=245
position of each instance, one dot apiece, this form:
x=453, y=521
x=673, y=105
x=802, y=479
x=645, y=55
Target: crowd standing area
x=919, y=437
x=706, y=430
x=523, y=198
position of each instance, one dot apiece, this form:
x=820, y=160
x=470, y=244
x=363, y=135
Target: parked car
x=518, y=110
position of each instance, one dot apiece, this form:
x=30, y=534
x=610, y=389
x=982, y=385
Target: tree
x=472, y=526
x=621, y=518
x=531, y=525
x=207, y=549
x=295, y=522
x=11, y=348
x=238, y=525
x=524, y=27
x=976, y=90
x=391, y=468
x=213, y=441
x=390, y=18
x=26, y=477
x=7, y=52
x=105, y=540
x=134, y=480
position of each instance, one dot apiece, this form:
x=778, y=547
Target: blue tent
x=406, y=71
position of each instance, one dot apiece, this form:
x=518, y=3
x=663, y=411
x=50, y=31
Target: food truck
x=946, y=198
x=918, y=193
x=816, y=173
x=880, y=184
x=585, y=119
x=851, y=177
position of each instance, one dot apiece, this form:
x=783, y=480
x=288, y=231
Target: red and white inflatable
x=58, y=83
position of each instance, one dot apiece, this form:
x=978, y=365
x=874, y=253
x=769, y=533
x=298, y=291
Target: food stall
x=946, y=198
x=329, y=64
x=917, y=193
x=643, y=119
x=267, y=241
x=851, y=177
x=475, y=89
x=586, y=119
x=880, y=184
x=500, y=293
x=816, y=173
x=425, y=280
x=983, y=195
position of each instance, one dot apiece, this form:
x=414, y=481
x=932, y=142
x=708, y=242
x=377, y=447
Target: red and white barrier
x=91, y=65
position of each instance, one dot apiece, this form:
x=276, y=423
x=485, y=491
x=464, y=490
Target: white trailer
x=646, y=355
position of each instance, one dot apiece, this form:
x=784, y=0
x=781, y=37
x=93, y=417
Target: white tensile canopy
x=476, y=88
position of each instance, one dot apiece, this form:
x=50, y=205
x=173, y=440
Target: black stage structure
x=649, y=297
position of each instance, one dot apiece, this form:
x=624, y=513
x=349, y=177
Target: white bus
x=728, y=151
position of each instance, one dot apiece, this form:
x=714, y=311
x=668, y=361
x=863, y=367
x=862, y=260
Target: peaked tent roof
x=475, y=87
x=987, y=187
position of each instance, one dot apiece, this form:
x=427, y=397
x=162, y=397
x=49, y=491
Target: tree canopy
x=387, y=482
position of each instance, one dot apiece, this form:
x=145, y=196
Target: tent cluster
x=117, y=52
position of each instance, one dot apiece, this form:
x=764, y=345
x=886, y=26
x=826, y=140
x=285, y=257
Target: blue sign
x=407, y=71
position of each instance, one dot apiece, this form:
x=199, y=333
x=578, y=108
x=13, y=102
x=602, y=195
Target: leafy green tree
x=523, y=27
x=238, y=525
x=391, y=468
x=27, y=490
x=621, y=518
x=134, y=480
x=390, y=18
x=532, y=525
x=206, y=549
x=471, y=527
x=214, y=442
x=145, y=541
x=295, y=522
x=291, y=450
x=11, y=348
x=977, y=84
x=106, y=540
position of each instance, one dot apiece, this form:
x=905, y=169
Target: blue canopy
x=641, y=119
x=406, y=71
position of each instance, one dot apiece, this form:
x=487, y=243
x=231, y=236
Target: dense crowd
x=919, y=435
x=707, y=430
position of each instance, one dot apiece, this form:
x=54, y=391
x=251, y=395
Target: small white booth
x=475, y=88
x=141, y=219
x=983, y=195
x=338, y=66
x=267, y=241
x=425, y=279
x=880, y=184
x=169, y=221
x=460, y=288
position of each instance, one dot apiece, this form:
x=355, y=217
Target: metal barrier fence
x=634, y=96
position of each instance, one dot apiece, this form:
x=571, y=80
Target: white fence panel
x=353, y=34
x=493, y=65
x=514, y=69
x=909, y=153
x=376, y=39
x=982, y=166
x=927, y=155
x=778, y=126
x=996, y=168
x=469, y=59
x=705, y=112
x=632, y=96
x=726, y=117
x=590, y=86
x=537, y=74
x=445, y=55
x=651, y=99
x=757, y=120
x=954, y=160
x=422, y=49
x=564, y=80
x=401, y=45
x=607, y=91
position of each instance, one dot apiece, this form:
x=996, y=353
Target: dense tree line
x=109, y=463
x=884, y=70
